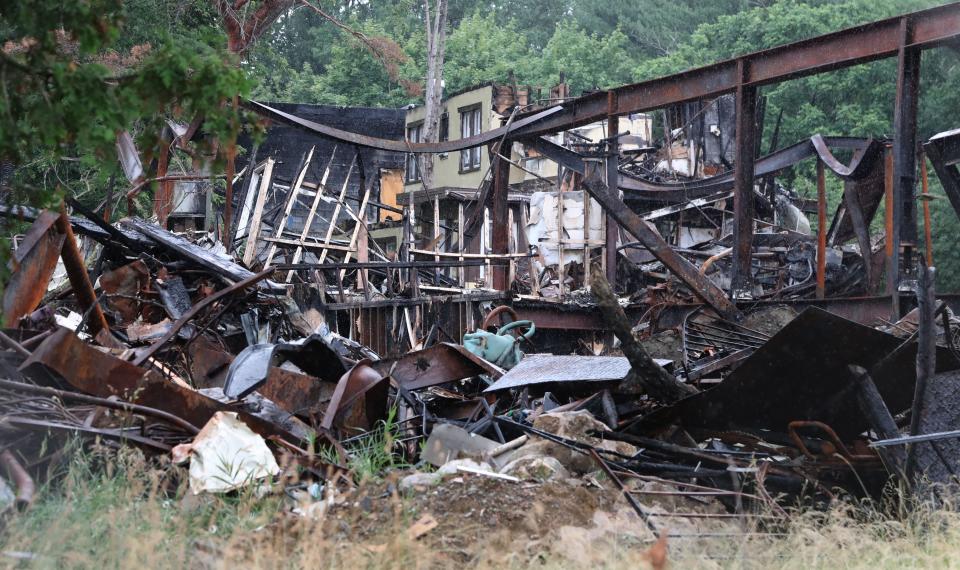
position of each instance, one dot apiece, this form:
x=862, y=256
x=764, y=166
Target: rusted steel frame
x=891, y=249
x=175, y=327
x=118, y=434
x=21, y=479
x=102, y=402
x=837, y=50
x=865, y=152
x=33, y=264
x=905, y=149
x=741, y=274
x=683, y=269
x=861, y=228
x=822, y=232
x=612, y=230
x=499, y=214
x=398, y=145
x=439, y=364
x=79, y=279
x=927, y=233
x=634, y=503
x=860, y=163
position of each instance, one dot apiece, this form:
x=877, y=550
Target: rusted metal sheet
x=300, y=394
x=123, y=287
x=439, y=364
x=360, y=399
x=802, y=374
x=208, y=363
x=100, y=374
x=32, y=266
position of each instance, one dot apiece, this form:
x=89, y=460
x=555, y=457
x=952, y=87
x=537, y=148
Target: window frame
x=470, y=158
x=411, y=170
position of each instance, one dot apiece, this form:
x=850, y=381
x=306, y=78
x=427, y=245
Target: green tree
x=587, y=60
x=483, y=49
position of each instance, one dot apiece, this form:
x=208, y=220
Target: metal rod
x=103, y=402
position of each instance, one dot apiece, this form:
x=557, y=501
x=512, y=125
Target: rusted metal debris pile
x=740, y=365
x=178, y=349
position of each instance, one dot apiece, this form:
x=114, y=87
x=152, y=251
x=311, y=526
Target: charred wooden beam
x=645, y=375
x=881, y=420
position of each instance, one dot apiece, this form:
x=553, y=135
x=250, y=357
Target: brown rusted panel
x=123, y=286
x=360, y=399
x=208, y=363
x=94, y=372
x=439, y=364
x=32, y=267
x=80, y=281
x=297, y=393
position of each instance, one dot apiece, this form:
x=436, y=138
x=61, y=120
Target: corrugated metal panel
x=549, y=368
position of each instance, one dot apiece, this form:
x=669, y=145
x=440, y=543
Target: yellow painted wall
x=391, y=184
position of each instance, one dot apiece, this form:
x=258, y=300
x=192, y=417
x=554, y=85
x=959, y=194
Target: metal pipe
x=22, y=480
x=13, y=345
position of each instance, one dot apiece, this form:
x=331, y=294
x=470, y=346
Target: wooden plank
x=361, y=224
x=298, y=252
x=256, y=219
x=336, y=210
x=291, y=200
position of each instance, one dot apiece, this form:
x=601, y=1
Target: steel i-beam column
x=905, y=157
x=741, y=278
x=499, y=213
x=613, y=181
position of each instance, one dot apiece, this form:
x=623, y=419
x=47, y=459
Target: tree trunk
x=433, y=95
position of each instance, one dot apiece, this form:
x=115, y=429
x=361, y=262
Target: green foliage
x=67, y=92
x=588, y=60
x=120, y=505
x=483, y=48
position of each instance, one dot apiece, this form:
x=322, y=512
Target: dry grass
x=123, y=513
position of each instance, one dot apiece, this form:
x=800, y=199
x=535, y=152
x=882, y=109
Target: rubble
x=694, y=338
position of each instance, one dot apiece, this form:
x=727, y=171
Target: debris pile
x=176, y=348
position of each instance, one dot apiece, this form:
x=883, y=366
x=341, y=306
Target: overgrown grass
x=370, y=456
x=120, y=511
